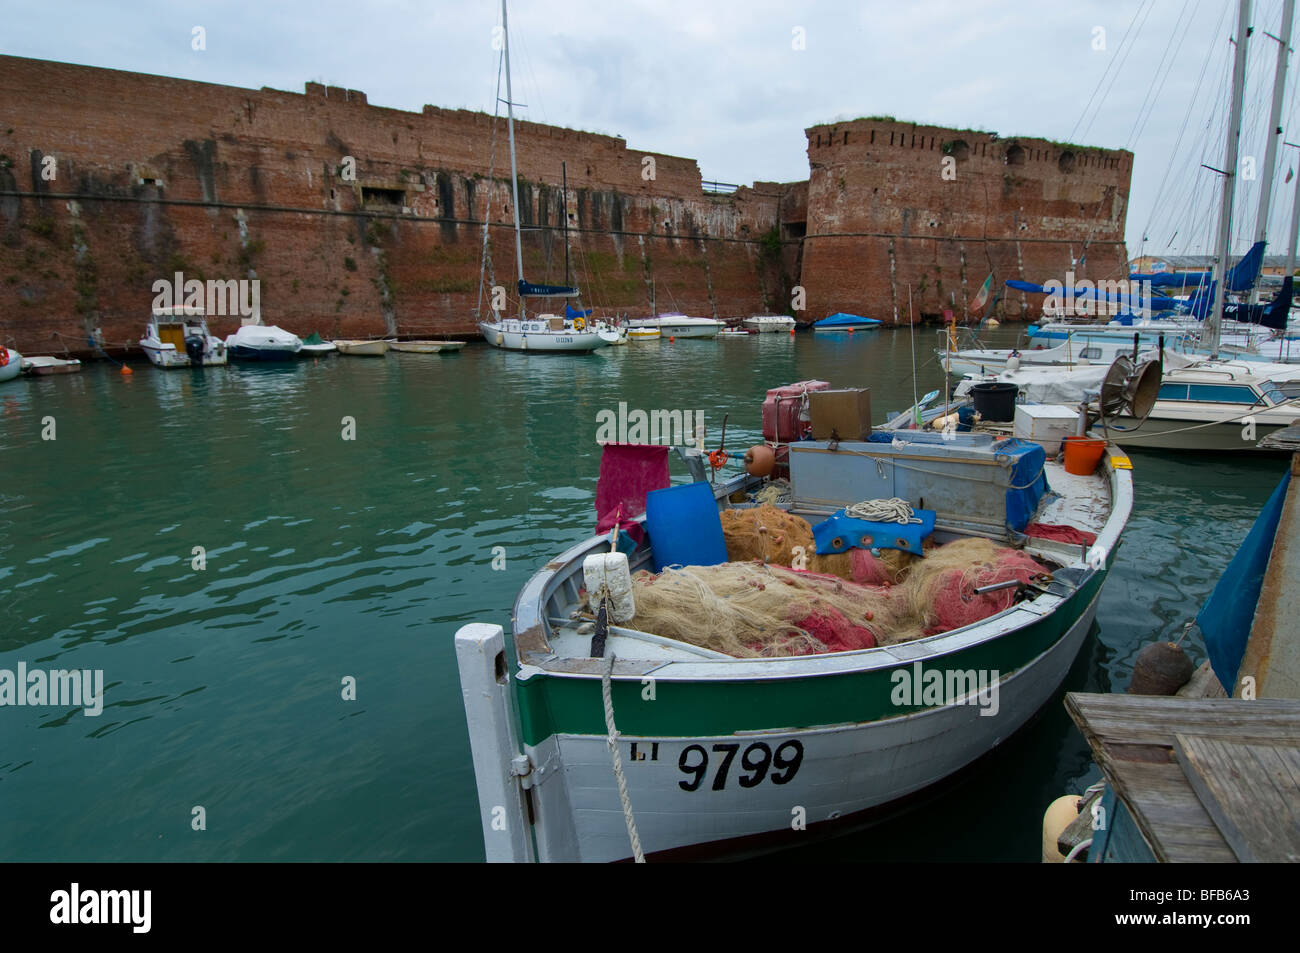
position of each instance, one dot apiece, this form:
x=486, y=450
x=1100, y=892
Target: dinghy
x=846, y=322
x=315, y=346
x=44, y=366
x=362, y=348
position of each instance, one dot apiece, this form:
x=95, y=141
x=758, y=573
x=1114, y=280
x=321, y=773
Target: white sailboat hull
x=525, y=338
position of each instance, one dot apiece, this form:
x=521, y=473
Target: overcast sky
x=724, y=82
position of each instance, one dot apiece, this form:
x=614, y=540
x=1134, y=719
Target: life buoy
x=579, y=324
x=4, y=356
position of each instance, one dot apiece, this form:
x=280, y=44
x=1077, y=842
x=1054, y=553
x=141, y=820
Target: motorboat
x=178, y=336
x=256, y=342
x=676, y=325
x=11, y=363
x=841, y=321
x=643, y=334
x=770, y=323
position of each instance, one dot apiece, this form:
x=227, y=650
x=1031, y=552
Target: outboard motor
x=194, y=346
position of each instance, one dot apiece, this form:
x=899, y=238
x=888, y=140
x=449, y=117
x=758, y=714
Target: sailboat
x=543, y=331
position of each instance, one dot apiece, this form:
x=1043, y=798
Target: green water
x=329, y=558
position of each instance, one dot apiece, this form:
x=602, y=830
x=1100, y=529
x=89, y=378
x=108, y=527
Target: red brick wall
x=84, y=250
x=881, y=217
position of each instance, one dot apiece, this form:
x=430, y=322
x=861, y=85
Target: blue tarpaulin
x=1028, y=481
x=571, y=312
x=1226, y=617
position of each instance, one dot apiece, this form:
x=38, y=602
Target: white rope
x=893, y=510
x=607, y=697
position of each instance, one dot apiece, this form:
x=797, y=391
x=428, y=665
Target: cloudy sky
x=726, y=82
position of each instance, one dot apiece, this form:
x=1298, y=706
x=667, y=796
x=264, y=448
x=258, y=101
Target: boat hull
x=363, y=348
x=844, y=769
x=242, y=352
x=13, y=368
x=166, y=355
x=542, y=341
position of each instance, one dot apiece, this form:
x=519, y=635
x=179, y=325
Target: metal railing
x=719, y=188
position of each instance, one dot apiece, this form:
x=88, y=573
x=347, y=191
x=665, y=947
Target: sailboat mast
x=514, y=171
x=1275, y=119
x=1229, y=171
x=564, y=179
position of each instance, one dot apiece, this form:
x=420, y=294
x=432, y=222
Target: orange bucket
x=1082, y=454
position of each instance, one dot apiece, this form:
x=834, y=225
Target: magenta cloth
x=628, y=471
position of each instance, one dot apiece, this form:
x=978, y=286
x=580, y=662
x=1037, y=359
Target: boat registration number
x=759, y=762
x=564, y=340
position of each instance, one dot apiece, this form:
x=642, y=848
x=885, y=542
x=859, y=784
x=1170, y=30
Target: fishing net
x=766, y=533
x=748, y=609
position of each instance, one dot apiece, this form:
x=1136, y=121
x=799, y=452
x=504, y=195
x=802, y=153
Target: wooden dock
x=1197, y=780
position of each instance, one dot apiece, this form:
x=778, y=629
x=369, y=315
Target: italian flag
x=982, y=296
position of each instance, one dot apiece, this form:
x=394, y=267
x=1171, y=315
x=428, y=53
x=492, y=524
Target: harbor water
x=268, y=564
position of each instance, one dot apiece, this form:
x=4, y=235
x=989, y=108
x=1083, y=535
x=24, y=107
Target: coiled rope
x=607, y=696
x=893, y=510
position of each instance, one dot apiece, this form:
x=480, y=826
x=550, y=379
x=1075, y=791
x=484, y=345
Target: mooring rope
x=607, y=696
x=893, y=510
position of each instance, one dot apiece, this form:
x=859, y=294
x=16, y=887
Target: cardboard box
x=843, y=413
x=1046, y=425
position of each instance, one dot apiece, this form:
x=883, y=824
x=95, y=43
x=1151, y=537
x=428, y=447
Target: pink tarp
x=628, y=472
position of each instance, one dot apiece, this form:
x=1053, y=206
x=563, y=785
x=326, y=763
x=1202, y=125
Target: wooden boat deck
x=1203, y=780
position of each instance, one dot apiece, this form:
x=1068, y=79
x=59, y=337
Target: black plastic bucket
x=995, y=401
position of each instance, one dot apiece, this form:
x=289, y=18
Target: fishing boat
x=11, y=363
x=178, y=336
x=617, y=739
x=45, y=366
x=643, y=334
x=770, y=323
x=256, y=342
x=315, y=346
x=846, y=322
x=541, y=332
x=676, y=325
x=366, y=348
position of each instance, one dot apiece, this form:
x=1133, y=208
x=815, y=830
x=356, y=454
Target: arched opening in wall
x=1066, y=162
x=958, y=149
x=1015, y=156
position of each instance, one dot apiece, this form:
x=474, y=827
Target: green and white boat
x=719, y=754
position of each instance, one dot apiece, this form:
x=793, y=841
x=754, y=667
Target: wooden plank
x=1153, y=719
x=1168, y=813
x=1250, y=792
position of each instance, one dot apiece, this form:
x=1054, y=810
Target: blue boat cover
x=1155, y=303
x=684, y=526
x=839, y=533
x=1028, y=480
x=1226, y=617
x=1241, y=276
x=571, y=312
x=840, y=317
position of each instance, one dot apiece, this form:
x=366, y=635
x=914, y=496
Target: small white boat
x=255, y=342
x=178, y=336
x=424, y=347
x=735, y=333
x=363, y=348
x=672, y=324
x=643, y=334
x=43, y=366
x=11, y=363
x=313, y=346
x=770, y=323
